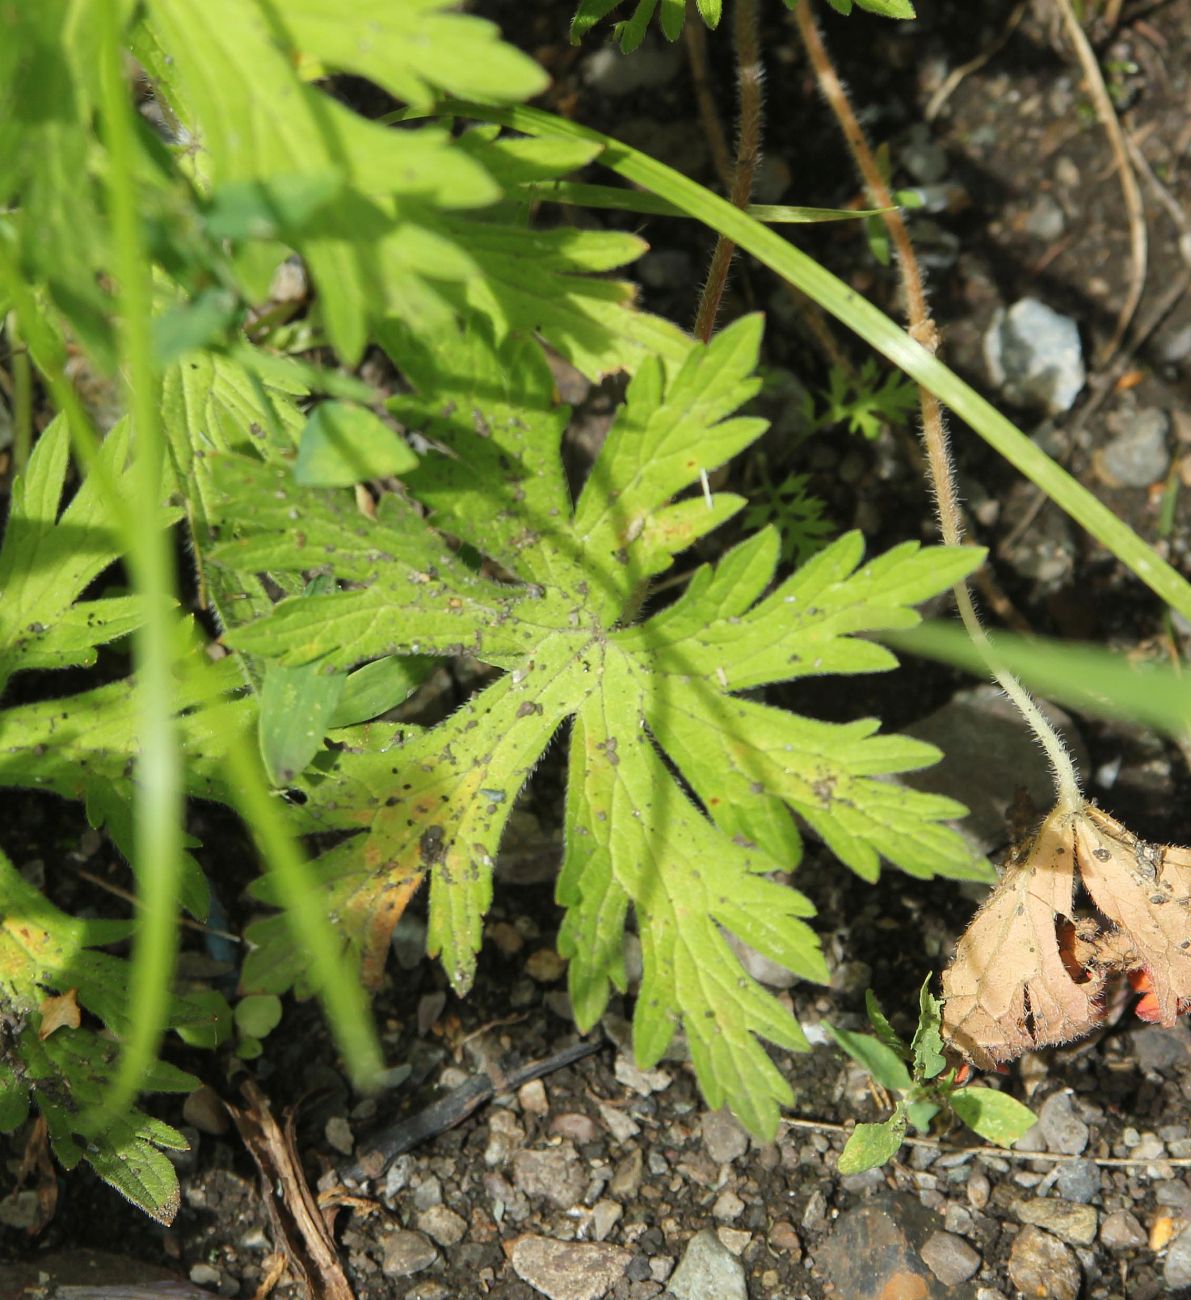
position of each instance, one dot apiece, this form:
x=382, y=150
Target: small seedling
x=919, y=1077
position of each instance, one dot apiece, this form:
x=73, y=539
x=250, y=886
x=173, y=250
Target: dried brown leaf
x=1029, y=973
x=1008, y=990
x=60, y=1012
x=1144, y=890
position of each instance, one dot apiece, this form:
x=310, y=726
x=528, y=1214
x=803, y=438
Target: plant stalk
x=750, y=77
x=934, y=433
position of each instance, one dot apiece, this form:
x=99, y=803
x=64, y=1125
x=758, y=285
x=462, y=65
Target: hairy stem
x=749, y=76
x=934, y=432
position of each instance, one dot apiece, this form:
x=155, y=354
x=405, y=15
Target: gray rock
x=728, y=1206
x=1137, y=456
x=505, y=1135
x=1175, y=348
x=922, y=155
x=626, y=1178
x=1062, y=1128
x=949, y=1258
x=204, y=1109
x=708, y=1271
x=605, y=1215
x=1121, y=1231
x=814, y=1217
x=405, y=1253
x=987, y=754
x=568, y=1270
x=1156, y=1049
x=1041, y=1265
x=1078, y=1180
x=612, y=73
x=1046, y=220
x=724, y=1139
x=1067, y=1220
x=557, y=1175
x=21, y=1211
x=1035, y=357
x=442, y=1225
x=338, y=1133
x=1176, y=1272
x=978, y=1189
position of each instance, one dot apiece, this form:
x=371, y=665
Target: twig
x=713, y=129
x=128, y=897
x=749, y=76
x=1129, y=188
x=395, y=1139
x=934, y=434
x=934, y=105
x=1174, y=210
x=1000, y=1153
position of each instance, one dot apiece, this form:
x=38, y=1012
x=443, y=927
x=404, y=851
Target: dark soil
x=634, y=1159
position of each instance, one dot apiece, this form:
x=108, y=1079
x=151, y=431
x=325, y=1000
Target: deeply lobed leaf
x=504, y=568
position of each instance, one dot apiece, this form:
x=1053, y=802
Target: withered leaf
x=1144, y=890
x=60, y=1012
x=1029, y=973
x=1007, y=990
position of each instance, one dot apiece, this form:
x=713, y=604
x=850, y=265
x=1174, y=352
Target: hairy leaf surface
x=680, y=789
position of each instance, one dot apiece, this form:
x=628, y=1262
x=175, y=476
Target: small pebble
x=532, y=1099
x=1121, y=1231
x=783, y=1237
x=339, y=1135
x=724, y=1138
x=205, y=1275
x=1040, y=1265
x=1072, y=1223
x=734, y=1239
x=728, y=1206
x=576, y=1126
x=557, y=1175
x=1176, y=1271
x=1078, y=1180
x=204, y=1109
x=708, y=1271
x=1137, y=456
x=605, y=1215
x=1035, y=357
x=405, y=1253
x=1062, y=1128
x=978, y=1190
x=442, y=1225
x=545, y=966
x=949, y=1258
x=567, y=1270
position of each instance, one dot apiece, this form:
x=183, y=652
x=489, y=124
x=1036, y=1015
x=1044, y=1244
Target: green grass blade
x=872, y=325
x=1081, y=677
x=157, y=813
x=623, y=200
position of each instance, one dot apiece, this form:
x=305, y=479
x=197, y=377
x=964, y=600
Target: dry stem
x=749, y=75
x=1129, y=188
x=934, y=433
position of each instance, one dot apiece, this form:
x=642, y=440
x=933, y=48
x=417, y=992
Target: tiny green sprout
x=921, y=1083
